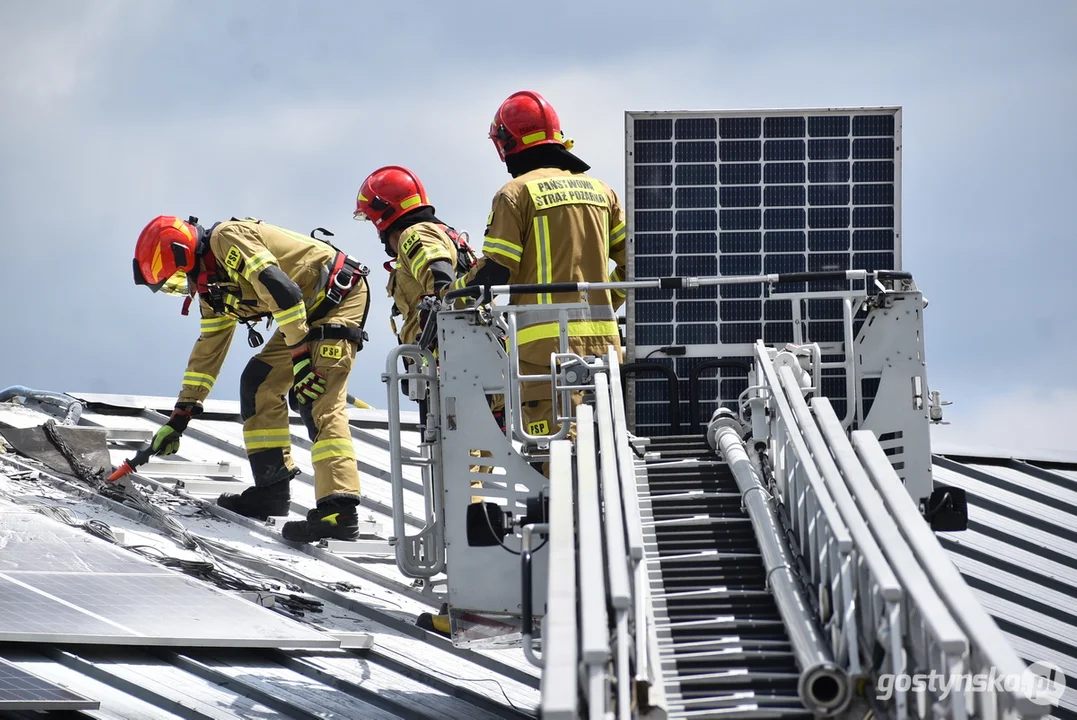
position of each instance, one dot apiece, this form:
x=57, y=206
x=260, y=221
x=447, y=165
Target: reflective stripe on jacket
x=549, y=226
x=265, y=271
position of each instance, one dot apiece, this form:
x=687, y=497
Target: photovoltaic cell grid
x=19, y=690
x=746, y=193
x=60, y=584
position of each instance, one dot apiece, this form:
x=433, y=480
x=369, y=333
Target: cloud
x=297, y=165
x=1025, y=417
x=53, y=50
x=118, y=111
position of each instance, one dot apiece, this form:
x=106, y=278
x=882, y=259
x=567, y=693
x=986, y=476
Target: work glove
x=166, y=440
x=428, y=307
x=308, y=383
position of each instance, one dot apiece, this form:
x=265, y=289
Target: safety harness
x=465, y=256
x=465, y=260
x=342, y=276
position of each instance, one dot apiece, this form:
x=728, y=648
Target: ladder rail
x=932, y=636
x=873, y=600
x=819, y=529
x=559, y=636
x=988, y=647
x=620, y=592
x=421, y=555
x=594, y=619
x=642, y=616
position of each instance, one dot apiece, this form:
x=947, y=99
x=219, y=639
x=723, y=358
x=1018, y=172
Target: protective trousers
x=497, y=406
x=264, y=388
x=537, y=407
x=538, y=415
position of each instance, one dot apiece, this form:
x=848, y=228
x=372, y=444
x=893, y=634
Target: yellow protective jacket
x=551, y=225
x=262, y=271
x=411, y=279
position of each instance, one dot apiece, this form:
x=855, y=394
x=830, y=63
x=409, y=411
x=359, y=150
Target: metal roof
x=407, y=673
x=1019, y=553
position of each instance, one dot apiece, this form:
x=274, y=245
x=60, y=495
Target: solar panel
x=743, y=193
x=38, y=547
x=19, y=690
x=58, y=584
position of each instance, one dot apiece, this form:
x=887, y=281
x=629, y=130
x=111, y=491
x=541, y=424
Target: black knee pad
x=306, y=412
x=268, y=467
x=252, y=378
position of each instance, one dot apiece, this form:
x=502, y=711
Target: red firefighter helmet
x=165, y=253
x=526, y=120
x=388, y=194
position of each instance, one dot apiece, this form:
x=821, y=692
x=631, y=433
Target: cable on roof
x=442, y=673
x=214, y=566
x=71, y=406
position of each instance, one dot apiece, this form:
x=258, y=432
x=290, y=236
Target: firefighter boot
x=259, y=502
x=335, y=519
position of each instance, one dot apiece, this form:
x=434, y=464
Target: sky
x=115, y=111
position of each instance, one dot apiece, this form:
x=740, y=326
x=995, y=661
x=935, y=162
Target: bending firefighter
x=551, y=223
x=245, y=271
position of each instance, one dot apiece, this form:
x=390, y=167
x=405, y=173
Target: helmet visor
x=176, y=285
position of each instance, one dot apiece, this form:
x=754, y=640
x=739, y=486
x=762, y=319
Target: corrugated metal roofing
x=1020, y=552
x=408, y=673
x=1019, y=555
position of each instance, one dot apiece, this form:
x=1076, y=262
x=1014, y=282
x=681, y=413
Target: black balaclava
x=544, y=156
x=425, y=214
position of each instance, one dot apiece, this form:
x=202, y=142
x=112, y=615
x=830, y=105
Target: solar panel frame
x=821, y=131
x=83, y=590
x=22, y=690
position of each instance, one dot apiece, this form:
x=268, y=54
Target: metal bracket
x=353, y=548
x=368, y=528
x=354, y=640
x=935, y=408
x=210, y=487
x=184, y=468
x=119, y=435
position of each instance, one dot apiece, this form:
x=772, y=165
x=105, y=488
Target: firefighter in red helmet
x=551, y=223
x=427, y=255
x=244, y=271
x=427, y=252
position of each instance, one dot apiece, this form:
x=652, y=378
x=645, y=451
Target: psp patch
x=538, y=428
x=333, y=352
x=231, y=260
x=410, y=242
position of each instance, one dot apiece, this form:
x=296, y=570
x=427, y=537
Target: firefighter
x=428, y=256
x=551, y=223
x=244, y=271
x=428, y=253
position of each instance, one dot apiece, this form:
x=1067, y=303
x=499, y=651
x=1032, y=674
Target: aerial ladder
x=782, y=562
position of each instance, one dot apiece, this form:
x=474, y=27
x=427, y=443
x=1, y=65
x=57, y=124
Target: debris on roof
x=1018, y=556
x=165, y=518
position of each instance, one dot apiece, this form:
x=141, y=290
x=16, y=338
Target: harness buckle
x=341, y=283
